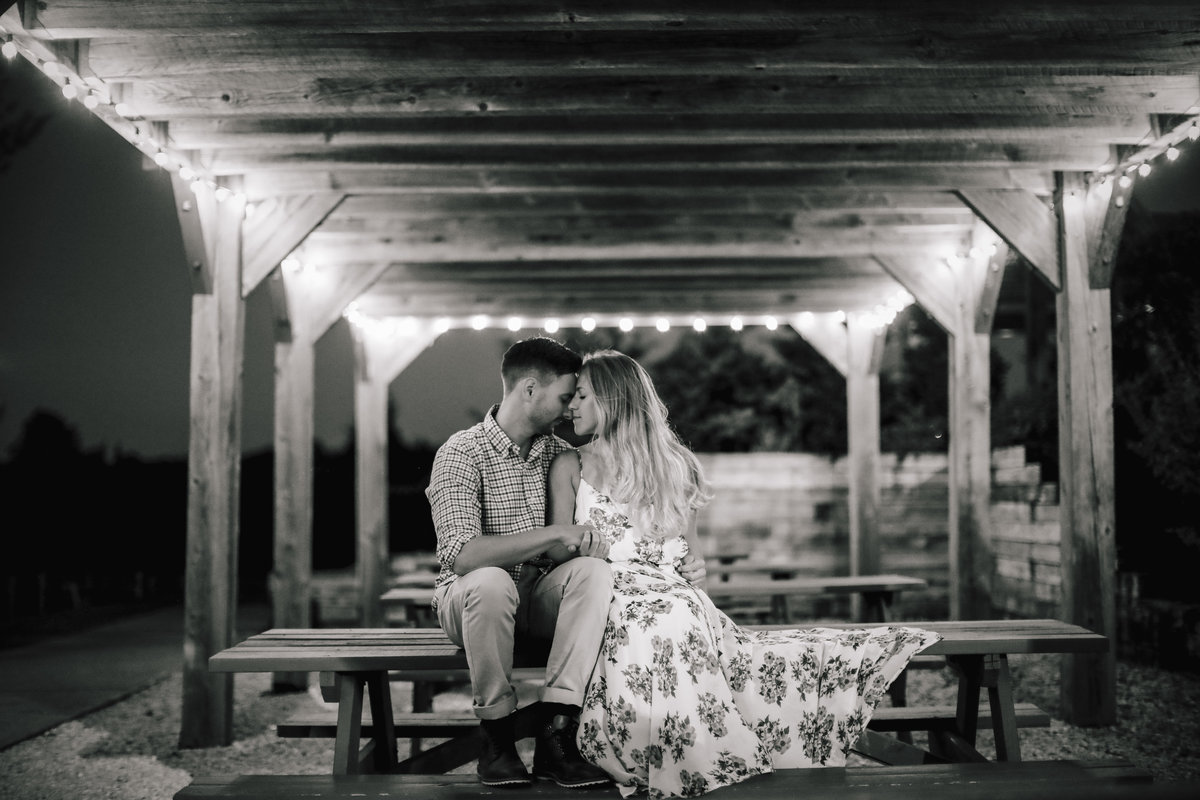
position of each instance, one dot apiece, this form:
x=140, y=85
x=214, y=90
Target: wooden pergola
x=418, y=165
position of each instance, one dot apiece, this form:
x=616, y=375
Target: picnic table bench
x=1035, y=780
x=362, y=658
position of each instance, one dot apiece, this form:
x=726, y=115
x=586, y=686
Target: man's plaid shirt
x=480, y=485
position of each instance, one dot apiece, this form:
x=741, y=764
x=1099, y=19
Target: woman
x=683, y=700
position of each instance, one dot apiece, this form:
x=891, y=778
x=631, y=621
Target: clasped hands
x=592, y=543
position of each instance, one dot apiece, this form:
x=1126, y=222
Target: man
x=507, y=575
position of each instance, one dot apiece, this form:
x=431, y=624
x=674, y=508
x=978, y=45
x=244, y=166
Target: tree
x=1156, y=376
x=19, y=123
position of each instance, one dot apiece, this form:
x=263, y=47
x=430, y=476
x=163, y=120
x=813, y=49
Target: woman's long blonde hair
x=646, y=464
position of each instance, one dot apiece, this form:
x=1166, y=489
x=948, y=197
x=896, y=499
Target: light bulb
x=551, y=325
x=1124, y=181
x=771, y=323
x=626, y=324
x=514, y=323
x=1172, y=153
x=123, y=109
x=222, y=194
x=161, y=158
x=187, y=173
x=588, y=324
x=90, y=100
x=736, y=323
x=70, y=91
x=1144, y=169
x=1193, y=132
x=9, y=49
x=442, y=325
x=663, y=324
x=479, y=323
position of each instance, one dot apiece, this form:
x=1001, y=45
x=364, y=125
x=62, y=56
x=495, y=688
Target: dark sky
x=95, y=307
x=95, y=303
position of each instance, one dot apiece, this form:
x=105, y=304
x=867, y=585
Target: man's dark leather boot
x=557, y=758
x=499, y=764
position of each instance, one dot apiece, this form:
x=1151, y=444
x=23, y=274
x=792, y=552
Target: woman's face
x=584, y=414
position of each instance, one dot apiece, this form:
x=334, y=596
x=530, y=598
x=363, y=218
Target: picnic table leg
x=1000, y=697
x=959, y=744
x=877, y=607
x=381, y=716
x=349, y=725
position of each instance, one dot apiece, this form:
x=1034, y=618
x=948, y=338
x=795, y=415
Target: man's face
x=549, y=406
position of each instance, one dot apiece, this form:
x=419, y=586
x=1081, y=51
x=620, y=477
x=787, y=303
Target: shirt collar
x=500, y=440
x=496, y=435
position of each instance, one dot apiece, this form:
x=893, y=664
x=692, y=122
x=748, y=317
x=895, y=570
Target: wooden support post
x=1086, y=460
x=381, y=353
x=213, y=234
x=865, y=344
x=971, y=561
x=854, y=348
x=291, y=571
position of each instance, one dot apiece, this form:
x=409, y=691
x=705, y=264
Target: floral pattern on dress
x=684, y=701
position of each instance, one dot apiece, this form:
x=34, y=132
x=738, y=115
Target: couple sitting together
x=594, y=549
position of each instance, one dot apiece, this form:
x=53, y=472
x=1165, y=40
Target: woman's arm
x=692, y=569
x=562, y=484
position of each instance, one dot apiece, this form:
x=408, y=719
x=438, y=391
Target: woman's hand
x=692, y=569
x=592, y=543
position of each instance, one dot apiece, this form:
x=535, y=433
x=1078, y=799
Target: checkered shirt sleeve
x=480, y=486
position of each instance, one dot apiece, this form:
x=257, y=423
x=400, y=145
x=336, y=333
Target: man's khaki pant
x=485, y=612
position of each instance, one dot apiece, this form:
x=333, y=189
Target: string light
x=662, y=324
x=699, y=325
x=9, y=49
x=1193, y=132
x=1172, y=153
x=736, y=323
x=514, y=323
x=1144, y=169
x=479, y=322
x=588, y=324
x=625, y=324
x=550, y=325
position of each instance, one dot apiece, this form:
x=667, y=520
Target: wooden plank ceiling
x=558, y=159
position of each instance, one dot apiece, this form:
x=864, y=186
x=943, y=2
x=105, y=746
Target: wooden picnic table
x=878, y=592
x=363, y=657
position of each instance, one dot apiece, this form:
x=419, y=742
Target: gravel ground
x=129, y=751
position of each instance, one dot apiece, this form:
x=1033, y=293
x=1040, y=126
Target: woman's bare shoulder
x=566, y=462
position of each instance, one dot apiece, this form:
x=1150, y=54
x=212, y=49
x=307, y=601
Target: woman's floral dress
x=683, y=700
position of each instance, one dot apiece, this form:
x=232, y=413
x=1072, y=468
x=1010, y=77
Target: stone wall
x=790, y=505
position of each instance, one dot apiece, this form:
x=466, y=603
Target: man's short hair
x=541, y=356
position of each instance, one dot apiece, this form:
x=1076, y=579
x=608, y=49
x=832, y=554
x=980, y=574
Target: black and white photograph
x=651, y=400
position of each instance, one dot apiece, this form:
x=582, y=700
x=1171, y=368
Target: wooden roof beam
x=749, y=46
x=96, y=18
x=880, y=91
x=649, y=183
x=662, y=129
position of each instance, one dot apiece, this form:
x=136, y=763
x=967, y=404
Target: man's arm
x=454, y=497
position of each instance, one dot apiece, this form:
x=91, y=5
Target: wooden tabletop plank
x=368, y=649
x=815, y=586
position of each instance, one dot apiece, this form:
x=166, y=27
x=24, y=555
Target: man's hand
x=692, y=569
x=577, y=540
x=591, y=543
